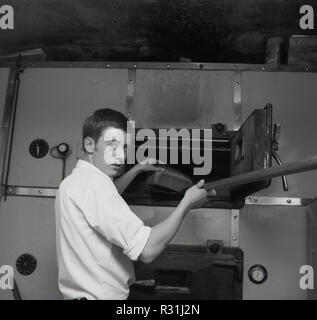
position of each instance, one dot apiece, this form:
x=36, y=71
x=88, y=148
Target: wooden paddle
x=298, y=166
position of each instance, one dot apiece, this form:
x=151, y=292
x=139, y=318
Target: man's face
x=110, y=151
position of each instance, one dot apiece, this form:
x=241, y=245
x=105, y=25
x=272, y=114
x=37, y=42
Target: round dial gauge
x=257, y=274
x=39, y=148
x=26, y=264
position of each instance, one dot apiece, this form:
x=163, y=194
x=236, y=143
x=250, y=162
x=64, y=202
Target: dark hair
x=101, y=120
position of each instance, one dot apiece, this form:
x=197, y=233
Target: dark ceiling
x=151, y=30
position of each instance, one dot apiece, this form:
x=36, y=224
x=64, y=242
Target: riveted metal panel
x=275, y=237
x=199, y=225
x=293, y=96
x=183, y=98
x=53, y=104
x=28, y=226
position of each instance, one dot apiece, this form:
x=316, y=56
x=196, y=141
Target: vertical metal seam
x=235, y=219
x=18, y=71
x=5, y=134
x=130, y=93
x=237, y=100
x=309, y=247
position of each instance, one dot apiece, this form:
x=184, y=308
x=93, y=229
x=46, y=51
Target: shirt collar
x=85, y=165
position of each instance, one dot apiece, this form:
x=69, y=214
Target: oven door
x=185, y=272
x=251, y=149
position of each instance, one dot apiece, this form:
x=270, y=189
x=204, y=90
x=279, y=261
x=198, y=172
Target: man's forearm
x=162, y=233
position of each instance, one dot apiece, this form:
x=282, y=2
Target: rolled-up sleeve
x=138, y=243
x=108, y=213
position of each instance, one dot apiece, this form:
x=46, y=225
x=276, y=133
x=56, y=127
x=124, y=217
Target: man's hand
x=162, y=233
x=196, y=196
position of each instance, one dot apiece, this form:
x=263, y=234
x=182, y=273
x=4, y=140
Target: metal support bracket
x=235, y=217
x=276, y=201
x=5, y=134
x=237, y=100
x=130, y=92
x=31, y=192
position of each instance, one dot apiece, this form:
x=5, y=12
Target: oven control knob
x=219, y=127
x=63, y=148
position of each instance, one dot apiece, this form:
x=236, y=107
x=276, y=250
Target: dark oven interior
x=233, y=152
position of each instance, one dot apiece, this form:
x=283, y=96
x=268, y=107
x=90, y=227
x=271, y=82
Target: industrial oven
x=247, y=242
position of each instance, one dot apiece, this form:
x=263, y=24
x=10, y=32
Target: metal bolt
x=108, y=65
x=237, y=83
x=234, y=239
x=131, y=81
x=235, y=67
x=168, y=66
x=9, y=190
x=134, y=66
x=255, y=200
x=289, y=201
x=235, y=216
x=40, y=191
x=263, y=68
x=307, y=69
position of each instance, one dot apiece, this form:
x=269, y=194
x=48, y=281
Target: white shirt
x=97, y=236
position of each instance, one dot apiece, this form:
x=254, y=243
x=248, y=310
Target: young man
x=98, y=236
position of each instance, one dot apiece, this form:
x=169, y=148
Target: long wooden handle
x=263, y=174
